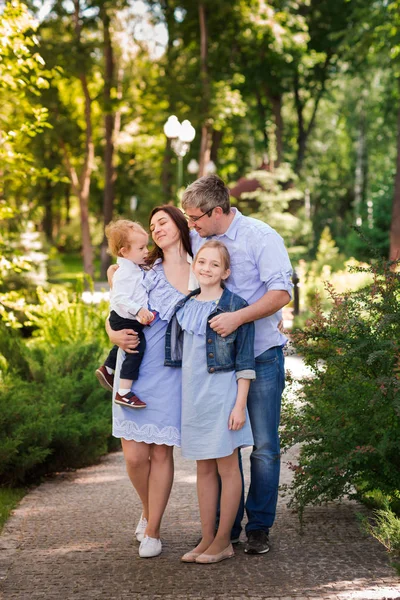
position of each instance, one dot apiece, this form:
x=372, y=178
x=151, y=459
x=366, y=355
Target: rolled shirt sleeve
x=273, y=263
x=246, y=374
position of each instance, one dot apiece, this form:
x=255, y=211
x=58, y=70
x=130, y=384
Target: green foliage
x=273, y=203
x=60, y=316
x=22, y=75
x=385, y=527
x=53, y=413
x=14, y=266
x=348, y=413
x=329, y=266
x=59, y=419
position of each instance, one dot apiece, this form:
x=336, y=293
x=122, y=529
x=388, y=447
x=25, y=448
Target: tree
x=23, y=75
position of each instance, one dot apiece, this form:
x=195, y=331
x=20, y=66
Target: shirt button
x=211, y=355
x=212, y=370
x=209, y=340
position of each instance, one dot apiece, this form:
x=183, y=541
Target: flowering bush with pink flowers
x=347, y=414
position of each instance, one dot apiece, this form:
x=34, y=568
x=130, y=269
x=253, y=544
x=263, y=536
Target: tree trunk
x=84, y=187
x=205, y=143
x=167, y=175
x=81, y=185
x=205, y=149
x=216, y=143
x=360, y=171
x=301, y=134
x=276, y=103
x=262, y=113
x=109, y=172
x=47, y=222
x=394, y=253
x=303, y=131
x=67, y=199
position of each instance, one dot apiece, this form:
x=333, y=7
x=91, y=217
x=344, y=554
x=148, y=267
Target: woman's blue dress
x=207, y=398
x=158, y=386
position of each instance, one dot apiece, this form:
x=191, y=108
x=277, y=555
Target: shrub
x=53, y=413
x=348, y=417
x=27, y=422
x=61, y=317
x=58, y=419
x=385, y=527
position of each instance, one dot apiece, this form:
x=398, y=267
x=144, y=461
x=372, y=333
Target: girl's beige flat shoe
x=206, y=559
x=190, y=557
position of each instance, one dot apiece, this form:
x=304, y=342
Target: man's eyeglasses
x=195, y=219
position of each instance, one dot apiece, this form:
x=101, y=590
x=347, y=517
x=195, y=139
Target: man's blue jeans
x=264, y=406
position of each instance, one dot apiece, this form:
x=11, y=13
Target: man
x=261, y=274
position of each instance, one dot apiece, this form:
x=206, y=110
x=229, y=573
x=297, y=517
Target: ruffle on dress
x=194, y=315
x=163, y=297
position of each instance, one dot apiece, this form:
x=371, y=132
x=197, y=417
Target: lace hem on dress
x=149, y=433
x=194, y=315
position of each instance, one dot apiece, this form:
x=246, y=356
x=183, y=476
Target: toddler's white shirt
x=128, y=294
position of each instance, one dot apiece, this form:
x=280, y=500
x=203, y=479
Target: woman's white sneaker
x=149, y=547
x=141, y=528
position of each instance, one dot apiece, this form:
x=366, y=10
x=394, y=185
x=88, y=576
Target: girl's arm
x=237, y=418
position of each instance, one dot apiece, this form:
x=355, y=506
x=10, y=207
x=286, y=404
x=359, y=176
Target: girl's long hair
x=182, y=225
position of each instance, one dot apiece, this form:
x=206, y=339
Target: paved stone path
x=73, y=538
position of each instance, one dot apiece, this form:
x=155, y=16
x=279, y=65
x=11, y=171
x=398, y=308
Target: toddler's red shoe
x=129, y=400
x=106, y=380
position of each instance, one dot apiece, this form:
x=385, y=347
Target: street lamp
x=181, y=136
x=193, y=167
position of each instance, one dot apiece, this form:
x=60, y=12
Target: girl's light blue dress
x=207, y=398
x=158, y=386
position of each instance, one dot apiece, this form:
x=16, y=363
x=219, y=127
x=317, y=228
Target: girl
x=216, y=378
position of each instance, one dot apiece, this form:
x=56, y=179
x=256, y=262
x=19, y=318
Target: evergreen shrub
x=347, y=414
x=53, y=413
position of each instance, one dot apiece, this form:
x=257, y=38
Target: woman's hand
x=110, y=273
x=237, y=418
x=127, y=339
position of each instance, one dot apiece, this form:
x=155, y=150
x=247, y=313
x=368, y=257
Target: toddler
x=128, y=306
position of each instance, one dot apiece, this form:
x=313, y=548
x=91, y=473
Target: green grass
x=9, y=499
x=69, y=267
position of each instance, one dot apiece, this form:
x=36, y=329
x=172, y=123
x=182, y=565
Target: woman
x=148, y=436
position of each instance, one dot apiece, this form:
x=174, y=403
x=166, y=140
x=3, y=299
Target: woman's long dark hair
x=181, y=223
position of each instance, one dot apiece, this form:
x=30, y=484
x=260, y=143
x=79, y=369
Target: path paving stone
x=73, y=538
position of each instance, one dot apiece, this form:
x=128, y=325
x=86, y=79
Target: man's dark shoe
x=257, y=542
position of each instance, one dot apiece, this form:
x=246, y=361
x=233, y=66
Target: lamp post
x=181, y=136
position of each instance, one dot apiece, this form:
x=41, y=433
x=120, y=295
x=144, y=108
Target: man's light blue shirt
x=259, y=263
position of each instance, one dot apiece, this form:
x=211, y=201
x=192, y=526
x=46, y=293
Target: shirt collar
x=232, y=230
x=126, y=262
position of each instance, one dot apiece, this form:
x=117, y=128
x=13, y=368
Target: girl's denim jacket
x=235, y=352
